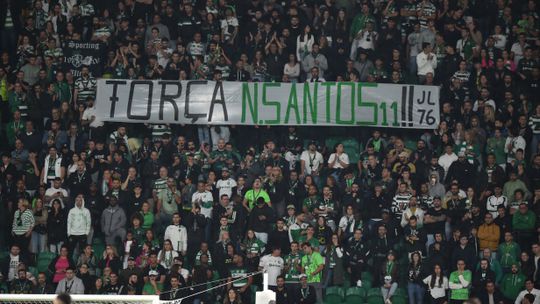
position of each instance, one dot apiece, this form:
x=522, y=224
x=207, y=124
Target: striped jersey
x=400, y=203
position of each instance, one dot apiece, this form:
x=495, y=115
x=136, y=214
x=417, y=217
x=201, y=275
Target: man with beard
x=85, y=86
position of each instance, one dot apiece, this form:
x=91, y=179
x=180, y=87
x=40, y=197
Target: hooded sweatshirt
x=512, y=284
x=112, y=220
x=79, y=220
x=436, y=189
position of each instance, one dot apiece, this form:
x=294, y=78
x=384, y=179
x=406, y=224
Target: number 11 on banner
x=394, y=108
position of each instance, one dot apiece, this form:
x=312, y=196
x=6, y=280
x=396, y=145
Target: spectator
x=70, y=284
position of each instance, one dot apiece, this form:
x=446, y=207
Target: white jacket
x=178, y=237
x=79, y=221
x=424, y=64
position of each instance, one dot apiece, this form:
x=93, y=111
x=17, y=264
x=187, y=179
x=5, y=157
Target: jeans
x=416, y=293
x=387, y=293
x=203, y=134
x=38, y=243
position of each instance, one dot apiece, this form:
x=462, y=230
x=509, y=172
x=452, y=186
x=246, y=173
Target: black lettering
x=169, y=98
x=134, y=83
x=403, y=105
x=221, y=101
x=114, y=97
x=194, y=116
x=411, y=104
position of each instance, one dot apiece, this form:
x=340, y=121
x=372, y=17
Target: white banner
x=252, y=103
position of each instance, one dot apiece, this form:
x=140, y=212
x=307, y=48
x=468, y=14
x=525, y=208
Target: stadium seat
x=33, y=271
x=366, y=276
x=355, y=295
x=43, y=265
x=374, y=296
x=333, y=295
x=45, y=255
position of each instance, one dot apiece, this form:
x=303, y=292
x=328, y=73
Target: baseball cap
x=461, y=154
x=152, y=273
x=303, y=275
x=291, y=207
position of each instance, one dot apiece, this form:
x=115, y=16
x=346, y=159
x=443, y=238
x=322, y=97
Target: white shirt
x=273, y=266
x=446, y=160
x=52, y=191
x=87, y=115
x=494, y=202
x=426, y=65
x=334, y=157
x=13, y=265
x=225, y=186
x=312, y=161
x=203, y=197
x=292, y=71
x=438, y=291
x=293, y=159
x=178, y=237
x=522, y=294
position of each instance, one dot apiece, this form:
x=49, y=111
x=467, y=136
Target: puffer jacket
x=79, y=221
x=489, y=236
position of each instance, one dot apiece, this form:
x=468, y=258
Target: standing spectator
x=426, y=62
x=312, y=266
x=79, y=223
x=23, y=224
x=459, y=282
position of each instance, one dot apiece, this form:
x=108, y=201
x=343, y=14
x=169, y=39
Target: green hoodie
x=512, y=285
x=523, y=222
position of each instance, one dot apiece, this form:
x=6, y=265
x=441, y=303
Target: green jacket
x=463, y=292
x=524, y=222
x=511, y=186
x=508, y=254
x=496, y=146
x=512, y=285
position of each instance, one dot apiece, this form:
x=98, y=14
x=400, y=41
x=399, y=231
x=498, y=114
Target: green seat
x=366, y=276
x=401, y=292
x=98, y=249
x=43, y=265
x=4, y=255
x=399, y=300
x=374, y=296
x=97, y=240
x=45, y=255
x=334, y=295
x=33, y=271
x=355, y=295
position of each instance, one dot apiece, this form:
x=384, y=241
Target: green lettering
x=272, y=103
x=252, y=103
x=292, y=104
x=372, y=105
x=338, y=104
x=312, y=99
x=328, y=86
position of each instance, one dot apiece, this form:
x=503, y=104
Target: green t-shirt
x=252, y=195
x=292, y=261
x=461, y=293
x=149, y=289
x=310, y=263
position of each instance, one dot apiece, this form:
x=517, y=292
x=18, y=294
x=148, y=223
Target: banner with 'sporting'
x=252, y=103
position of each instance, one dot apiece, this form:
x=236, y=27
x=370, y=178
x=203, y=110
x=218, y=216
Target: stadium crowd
x=331, y=214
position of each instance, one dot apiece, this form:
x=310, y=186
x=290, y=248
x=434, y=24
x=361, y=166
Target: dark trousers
x=76, y=240
x=22, y=241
